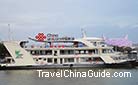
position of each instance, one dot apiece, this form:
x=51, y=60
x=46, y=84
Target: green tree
x=3, y=51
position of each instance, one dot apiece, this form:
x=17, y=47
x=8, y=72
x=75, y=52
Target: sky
x=111, y=18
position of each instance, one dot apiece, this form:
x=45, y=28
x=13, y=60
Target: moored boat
x=53, y=51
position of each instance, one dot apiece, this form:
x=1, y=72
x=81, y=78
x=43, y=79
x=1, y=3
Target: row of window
x=64, y=52
x=41, y=52
x=69, y=52
x=66, y=60
x=107, y=51
x=50, y=60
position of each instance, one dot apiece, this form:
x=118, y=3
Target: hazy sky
x=113, y=18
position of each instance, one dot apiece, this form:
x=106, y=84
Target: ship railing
x=80, y=55
x=123, y=57
x=54, y=46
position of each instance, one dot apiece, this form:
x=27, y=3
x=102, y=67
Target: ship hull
x=66, y=66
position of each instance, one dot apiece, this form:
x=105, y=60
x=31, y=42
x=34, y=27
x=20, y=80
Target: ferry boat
x=53, y=51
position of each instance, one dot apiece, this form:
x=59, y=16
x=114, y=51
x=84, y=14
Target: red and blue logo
x=40, y=37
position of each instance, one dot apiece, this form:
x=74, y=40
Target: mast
x=9, y=32
x=83, y=33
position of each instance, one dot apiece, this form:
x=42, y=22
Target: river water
x=31, y=77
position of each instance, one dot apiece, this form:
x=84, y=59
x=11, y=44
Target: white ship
x=62, y=52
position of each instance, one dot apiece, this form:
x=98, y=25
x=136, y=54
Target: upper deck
x=53, y=41
x=67, y=45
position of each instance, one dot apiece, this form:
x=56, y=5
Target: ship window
x=80, y=44
x=96, y=51
x=82, y=52
x=49, y=60
x=77, y=52
x=48, y=52
x=91, y=51
x=103, y=50
x=40, y=58
x=83, y=59
x=86, y=52
x=37, y=52
x=32, y=52
x=107, y=51
x=44, y=59
x=61, y=51
x=111, y=50
x=69, y=59
x=64, y=52
x=42, y=52
x=70, y=51
x=94, y=44
x=102, y=42
x=55, y=53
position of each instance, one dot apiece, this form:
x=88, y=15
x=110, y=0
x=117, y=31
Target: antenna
x=103, y=37
x=9, y=32
x=126, y=37
x=83, y=33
